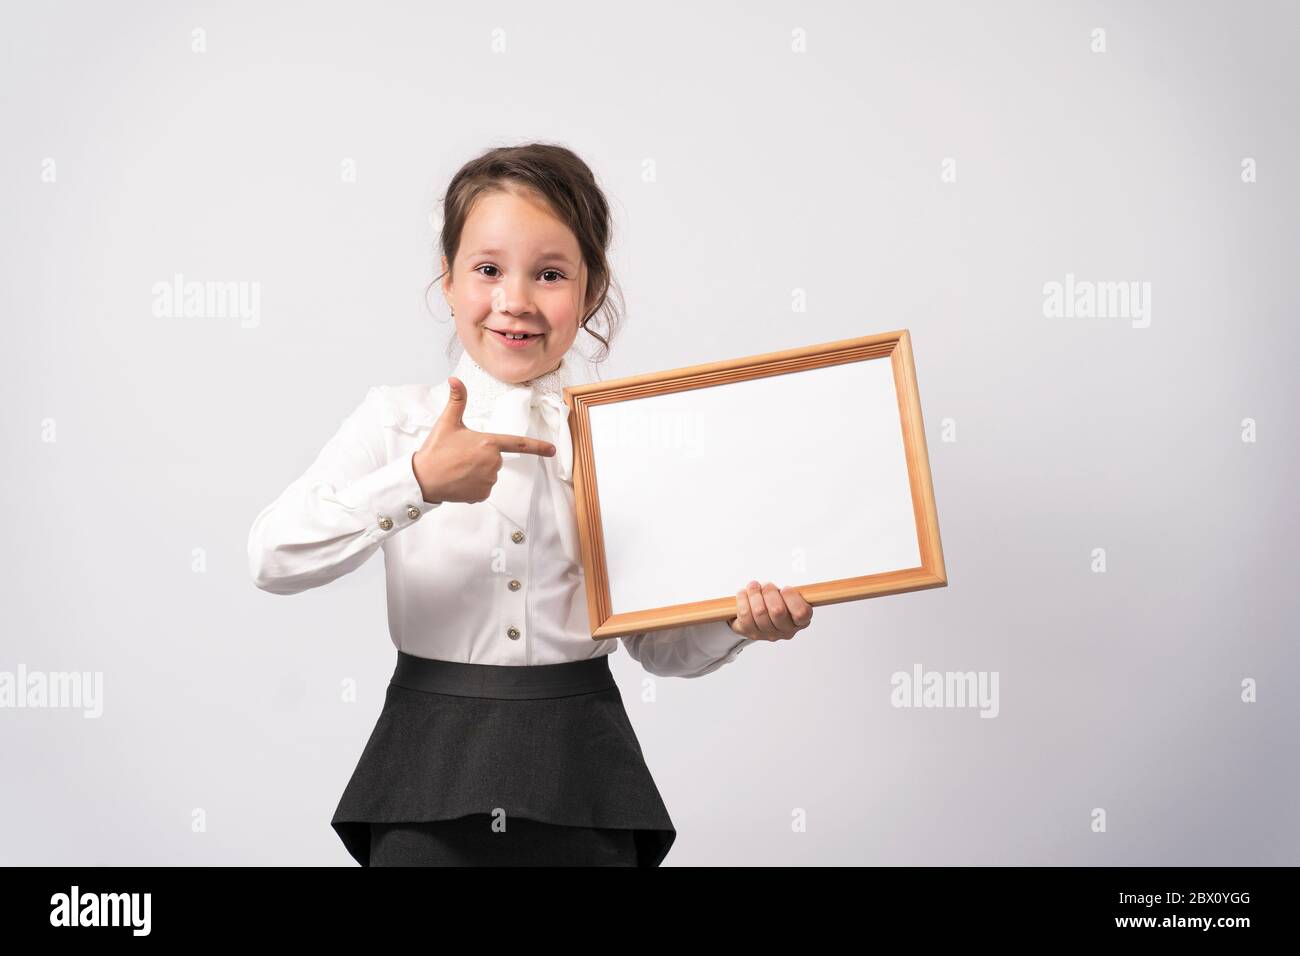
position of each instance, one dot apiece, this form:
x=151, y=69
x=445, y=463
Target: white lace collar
x=484, y=389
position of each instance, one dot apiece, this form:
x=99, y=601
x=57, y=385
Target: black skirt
x=482, y=840
x=549, y=743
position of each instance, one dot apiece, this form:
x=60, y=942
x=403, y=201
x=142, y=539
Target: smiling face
x=518, y=269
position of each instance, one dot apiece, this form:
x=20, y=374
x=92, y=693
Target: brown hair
x=560, y=178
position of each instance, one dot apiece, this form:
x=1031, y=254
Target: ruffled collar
x=485, y=390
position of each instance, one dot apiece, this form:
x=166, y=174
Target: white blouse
x=494, y=582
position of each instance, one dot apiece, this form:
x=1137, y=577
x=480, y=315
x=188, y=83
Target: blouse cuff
x=391, y=496
x=717, y=640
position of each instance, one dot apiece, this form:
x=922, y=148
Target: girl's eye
x=488, y=265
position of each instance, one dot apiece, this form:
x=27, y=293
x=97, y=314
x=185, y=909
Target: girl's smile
x=511, y=342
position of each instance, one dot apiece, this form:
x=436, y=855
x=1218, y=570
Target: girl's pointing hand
x=769, y=613
x=457, y=463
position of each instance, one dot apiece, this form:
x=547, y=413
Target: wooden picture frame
x=646, y=489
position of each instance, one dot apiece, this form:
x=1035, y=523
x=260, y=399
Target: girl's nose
x=513, y=297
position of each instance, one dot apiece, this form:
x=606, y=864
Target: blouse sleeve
x=339, y=511
x=690, y=651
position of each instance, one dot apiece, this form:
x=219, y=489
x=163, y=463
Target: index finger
x=800, y=609
x=521, y=443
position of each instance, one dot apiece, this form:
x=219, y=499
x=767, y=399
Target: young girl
x=503, y=738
